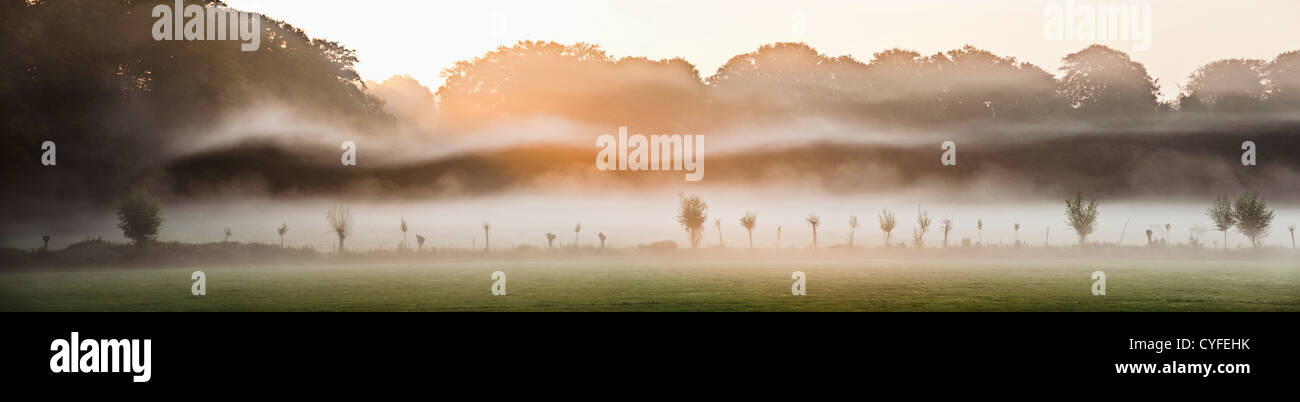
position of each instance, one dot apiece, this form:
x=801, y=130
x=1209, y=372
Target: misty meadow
x=121, y=150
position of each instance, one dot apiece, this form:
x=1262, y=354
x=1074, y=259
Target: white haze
x=629, y=219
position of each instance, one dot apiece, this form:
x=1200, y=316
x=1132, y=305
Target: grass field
x=671, y=285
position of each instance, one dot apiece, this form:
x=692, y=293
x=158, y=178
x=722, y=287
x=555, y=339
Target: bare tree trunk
x=341, y=243
x=751, y=240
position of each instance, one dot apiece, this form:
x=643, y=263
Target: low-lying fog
x=629, y=219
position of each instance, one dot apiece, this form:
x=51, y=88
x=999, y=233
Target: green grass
x=672, y=285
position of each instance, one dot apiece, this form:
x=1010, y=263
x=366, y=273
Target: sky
x=420, y=38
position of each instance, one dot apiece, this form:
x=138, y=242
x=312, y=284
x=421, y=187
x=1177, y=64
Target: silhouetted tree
x=922, y=226
x=1081, y=216
x=1232, y=85
x=1283, y=76
x=419, y=241
x=1291, y=228
x=691, y=214
x=946, y=226
x=1220, y=212
x=45, y=246
x=1253, y=217
x=783, y=78
x=1099, y=81
x=979, y=227
x=284, y=228
x=748, y=222
x=227, y=232
x=1016, y=239
x=404, y=227
x=576, y=230
x=340, y=221
x=139, y=215
x=487, y=238
x=978, y=84
x=814, y=221
x=578, y=81
x=550, y=240
x=887, y=224
x=902, y=88
x=601, y=235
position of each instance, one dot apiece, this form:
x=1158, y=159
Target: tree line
x=897, y=86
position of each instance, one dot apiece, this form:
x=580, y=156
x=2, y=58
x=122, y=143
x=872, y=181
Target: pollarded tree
x=923, y=225
x=691, y=214
x=340, y=221
x=284, y=228
x=550, y=240
x=1253, y=217
x=403, y=234
x=139, y=215
x=1220, y=212
x=1081, y=216
x=887, y=224
x=748, y=222
x=946, y=225
x=814, y=221
x=577, y=229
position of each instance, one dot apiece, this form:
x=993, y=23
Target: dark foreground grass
x=672, y=285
